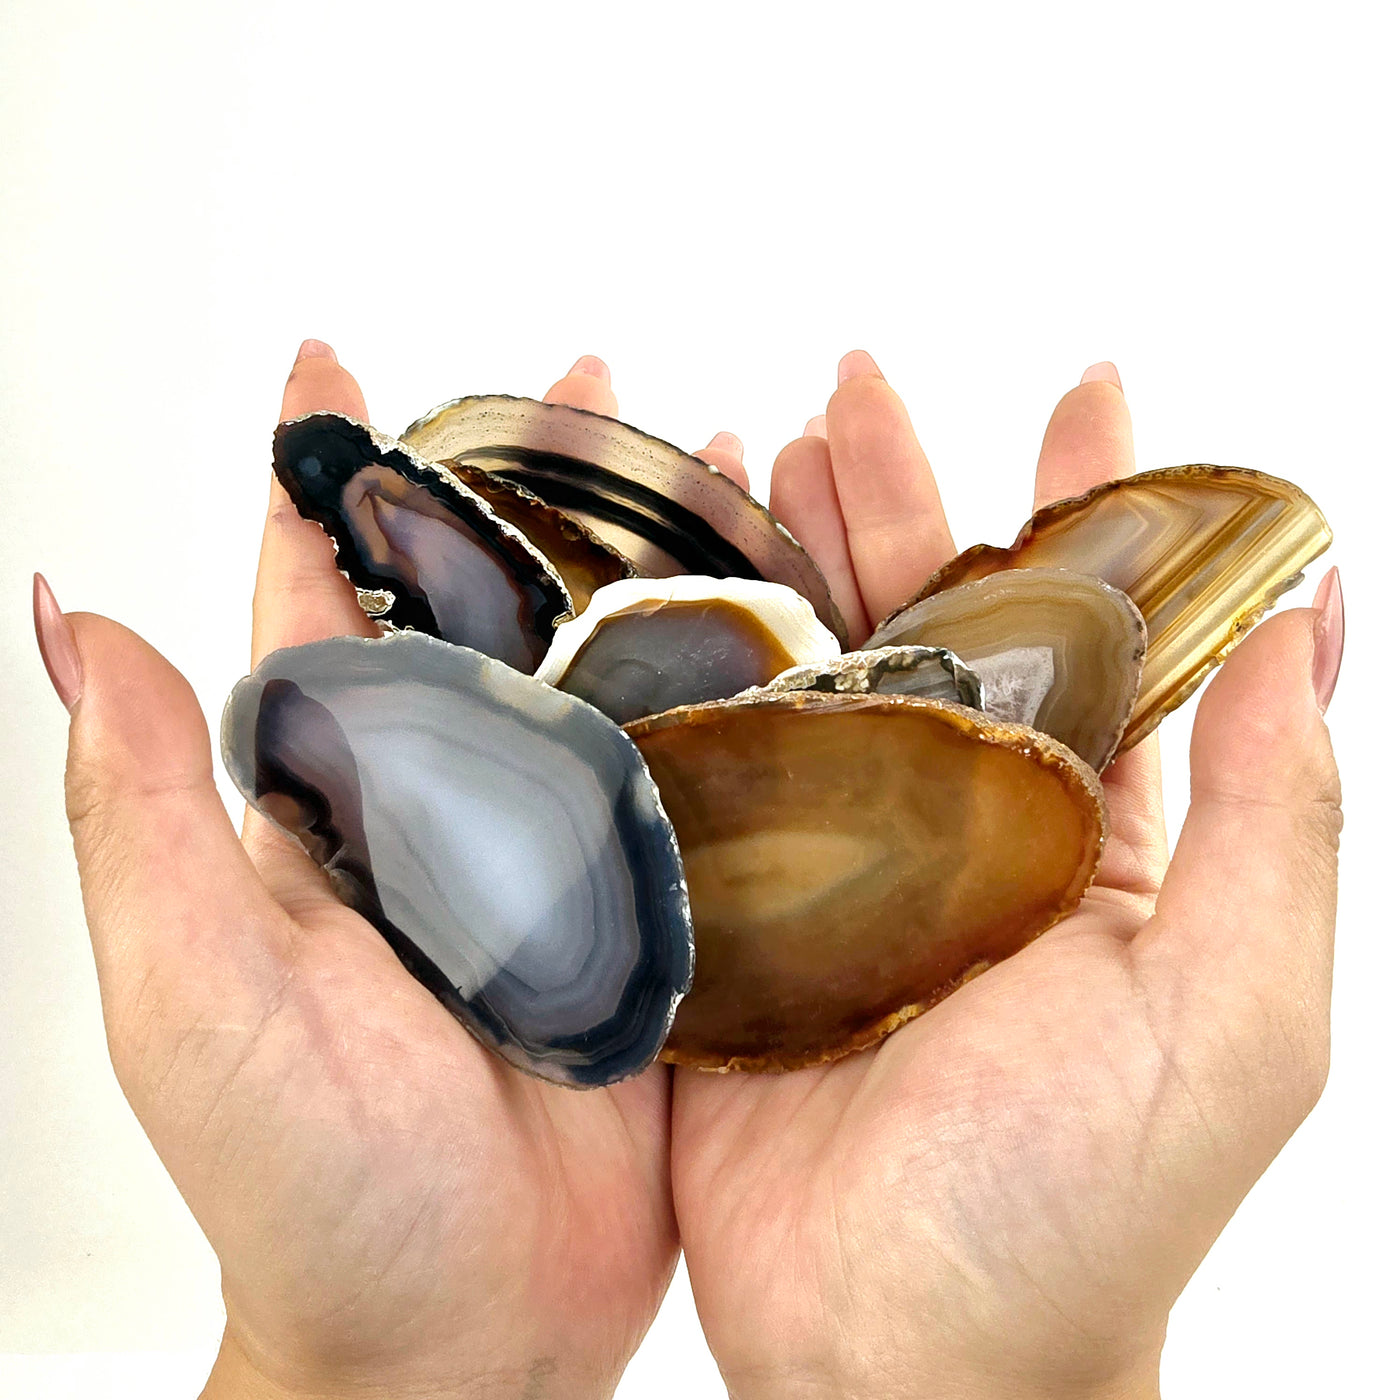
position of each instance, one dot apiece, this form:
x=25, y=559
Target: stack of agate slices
x=612, y=783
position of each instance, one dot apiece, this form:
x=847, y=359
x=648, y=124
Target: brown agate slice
x=1059, y=651
x=662, y=509
x=1203, y=551
x=584, y=562
x=852, y=859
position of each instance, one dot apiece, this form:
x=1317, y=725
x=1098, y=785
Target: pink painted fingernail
x=56, y=644
x=854, y=363
x=1329, y=633
x=316, y=350
x=592, y=365
x=1103, y=372
x=727, y=442
x=816, y=427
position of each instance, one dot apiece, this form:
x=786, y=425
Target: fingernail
x=1329, y=632
x=591, y=364
x=727, y=442
x=1105, y=371
x=854, y=363
x=816, y=427
x=56, y=644
x=315, y=350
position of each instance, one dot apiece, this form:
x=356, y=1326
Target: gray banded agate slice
x=1059, y=651
x=931, y=673
x=408, y=529
x=505, y=838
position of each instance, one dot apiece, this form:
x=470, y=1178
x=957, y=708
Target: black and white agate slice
x=409, y=530
x=506, y=839
x=665, y=511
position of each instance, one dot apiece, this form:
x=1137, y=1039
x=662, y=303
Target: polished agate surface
x=853, y=859
x=1060, y=651
x=405, y=528
x=662, y=509
x=1202, y=551
x=504, y=838
x=647, y=645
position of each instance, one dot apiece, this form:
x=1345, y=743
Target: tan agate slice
x=1203, y=551
x=583, y=561
x=1059, y=651
x=852, y=859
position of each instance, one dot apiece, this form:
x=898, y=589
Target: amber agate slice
x=1203, y=551
x=504, y=838
x=852, y=859
x=646, y=645
x=584, y=562
x=662, y=509
x=1059, y=651
x=442, y=561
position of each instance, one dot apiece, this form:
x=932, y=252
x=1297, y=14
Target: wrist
x=236, y=1377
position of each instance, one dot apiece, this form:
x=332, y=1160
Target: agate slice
x=933, y=673
x=662, y=509
x=406, y=529
x=1203, y=551
x=853, y=859
x=582, y=560
x=503, y=837
x=647, y=645
x=1059, y=651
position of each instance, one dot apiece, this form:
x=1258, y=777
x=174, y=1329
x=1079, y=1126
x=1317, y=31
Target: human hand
x=395, y=1211
x=1006, y=1196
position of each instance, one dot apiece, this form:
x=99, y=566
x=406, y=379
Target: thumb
x=183, y=931
x=1245, y=918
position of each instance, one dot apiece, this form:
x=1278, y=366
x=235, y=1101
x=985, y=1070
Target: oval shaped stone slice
x=407, y=528
x=853, y=859
x=1059, y=651
x=664, y=510
x=647, y=645
x=504, y=838
x=1203, y=551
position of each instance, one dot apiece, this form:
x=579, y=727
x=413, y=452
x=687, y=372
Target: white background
x=720, y=200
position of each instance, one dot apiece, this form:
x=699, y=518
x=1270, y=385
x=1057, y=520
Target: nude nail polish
x=816, y=427
x=56, y=644
x=727, y=442
x=1329, y=633
x=316, y=350
x=1103, y=372
x=856, y=362
x=592, y=365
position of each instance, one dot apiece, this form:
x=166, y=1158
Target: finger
x=587, y=385
x=182, y=929
x=300, y=596
x=803, y=496
x=895, y=526
x=725, y=452
x=1089, y=439
x=1244, y=922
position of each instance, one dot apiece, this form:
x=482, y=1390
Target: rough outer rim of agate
x=386, y=447
x=229, y=726
x=1041, y=748
x=968, y=565
x=441, y=420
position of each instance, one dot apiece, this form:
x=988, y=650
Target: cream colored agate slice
x=1059, y=651
x=1203, y=551
x=646, y=645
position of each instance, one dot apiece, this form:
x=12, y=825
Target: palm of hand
x=1014, y=1187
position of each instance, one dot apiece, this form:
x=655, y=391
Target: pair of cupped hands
x=1002, y=1199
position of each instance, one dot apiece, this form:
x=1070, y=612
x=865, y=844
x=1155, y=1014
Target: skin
x=1004, y=1198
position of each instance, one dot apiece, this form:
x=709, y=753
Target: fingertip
x=816, y=427
x=854, y=364
x=315, y=350
x=1104, y=372
x=318, y=383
